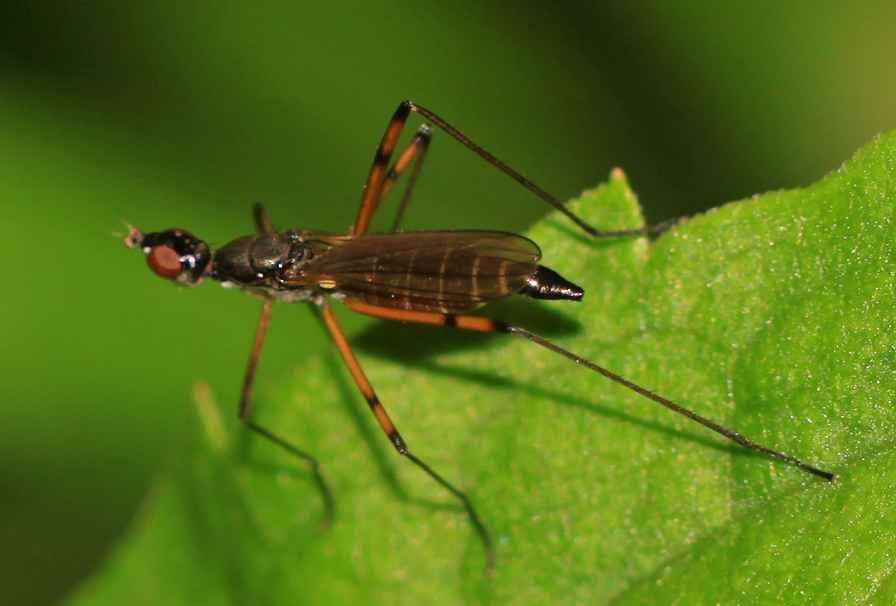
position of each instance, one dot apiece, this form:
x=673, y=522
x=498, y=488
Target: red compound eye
x=164, y=262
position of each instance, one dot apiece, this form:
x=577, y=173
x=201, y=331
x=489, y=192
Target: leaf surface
x=772, y=316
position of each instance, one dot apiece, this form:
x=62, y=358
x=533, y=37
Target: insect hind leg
x=483, y=324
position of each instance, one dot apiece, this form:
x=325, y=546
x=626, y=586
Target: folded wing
x=444, y=271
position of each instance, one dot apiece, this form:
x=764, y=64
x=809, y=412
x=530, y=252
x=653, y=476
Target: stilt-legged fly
x=427, y=277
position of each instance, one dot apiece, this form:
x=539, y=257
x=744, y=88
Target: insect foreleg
x=245, y=407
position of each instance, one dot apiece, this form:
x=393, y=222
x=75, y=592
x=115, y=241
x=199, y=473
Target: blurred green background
x=183, y=114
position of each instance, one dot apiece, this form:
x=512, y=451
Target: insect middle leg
x=418, y=147
x=380, y=179
x=378, y=176
x=389, y=428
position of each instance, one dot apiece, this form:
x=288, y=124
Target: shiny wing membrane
x=444, y=271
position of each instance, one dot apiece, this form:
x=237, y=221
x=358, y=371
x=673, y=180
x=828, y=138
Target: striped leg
x=376, y=178
x=245, y=406
x=389, y=428
x=417, y=147
x=489, y=325
x=373, y=189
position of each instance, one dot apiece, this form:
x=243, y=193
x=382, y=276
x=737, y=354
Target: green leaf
x=772, y=316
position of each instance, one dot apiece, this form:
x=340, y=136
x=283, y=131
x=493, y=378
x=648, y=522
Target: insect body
x=438, y=271
x=427, y=277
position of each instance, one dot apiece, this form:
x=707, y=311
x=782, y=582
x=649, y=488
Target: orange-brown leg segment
x=389, y=428
x=489, y=325
x=417, y=147
x=245, y=406
x=376, y=178
x=374, y=195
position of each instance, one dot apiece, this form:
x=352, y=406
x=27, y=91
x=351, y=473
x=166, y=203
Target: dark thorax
x=265, y=265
